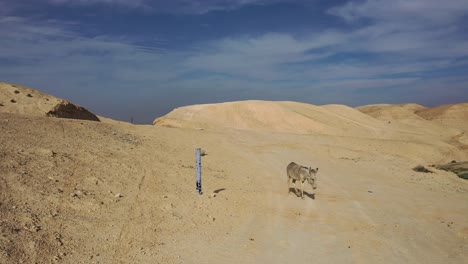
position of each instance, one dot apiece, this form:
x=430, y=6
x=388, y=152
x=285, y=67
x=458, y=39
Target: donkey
x=300, y=173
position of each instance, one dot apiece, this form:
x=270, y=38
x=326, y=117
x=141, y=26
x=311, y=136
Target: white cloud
x=417, y=28
x=425, y=11
x=50, y=49
x=261, y=57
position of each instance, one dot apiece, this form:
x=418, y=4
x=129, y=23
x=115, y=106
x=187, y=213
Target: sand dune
x=75, y=191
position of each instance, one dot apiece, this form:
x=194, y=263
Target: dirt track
x=60, y=181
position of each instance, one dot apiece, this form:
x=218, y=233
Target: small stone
x=118, y=195
x=177, y=215
x=113, y=133
x=421, y=168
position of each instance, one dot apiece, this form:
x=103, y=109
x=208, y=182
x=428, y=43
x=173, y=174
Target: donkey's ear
x=316, y=170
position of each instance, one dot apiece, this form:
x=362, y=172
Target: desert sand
x=80, y=191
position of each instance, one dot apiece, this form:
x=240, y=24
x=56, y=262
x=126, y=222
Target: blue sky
x=142, y=58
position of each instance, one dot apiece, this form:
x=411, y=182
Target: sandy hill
x=449, y=121
x=454, y=115
x=399, y=112
x=26, y=101
x=278, y=117
x=75, y=191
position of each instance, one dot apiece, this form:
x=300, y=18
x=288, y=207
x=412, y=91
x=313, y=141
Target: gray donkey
x=300, y=173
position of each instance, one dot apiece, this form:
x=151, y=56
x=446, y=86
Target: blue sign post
x=198, y=166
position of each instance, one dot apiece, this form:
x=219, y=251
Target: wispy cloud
x=173, y=6
x=422, y=12
x=424, y=28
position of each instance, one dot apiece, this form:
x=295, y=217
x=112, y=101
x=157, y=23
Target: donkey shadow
x=298, y=194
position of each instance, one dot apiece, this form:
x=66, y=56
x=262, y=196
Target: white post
x=198, y=166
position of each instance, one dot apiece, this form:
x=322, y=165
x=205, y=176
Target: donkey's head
x=312, y=179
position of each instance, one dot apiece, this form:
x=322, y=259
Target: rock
x=118, y=195
x=177, y=215
x=77, y=194
x=421, y=168
x=52, y=179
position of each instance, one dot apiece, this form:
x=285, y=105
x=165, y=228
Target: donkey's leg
x=302, y=189
x=289, y=184
x=295, y=189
